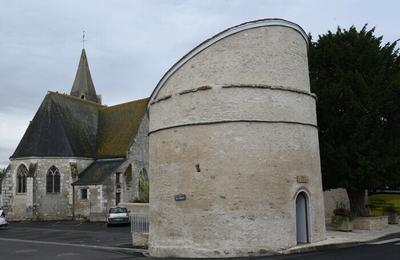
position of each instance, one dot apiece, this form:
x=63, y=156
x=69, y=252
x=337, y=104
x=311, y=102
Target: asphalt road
x=71, y=240
x=65, y=240
x=21, y=250
x=70, y=232
x=385, y=250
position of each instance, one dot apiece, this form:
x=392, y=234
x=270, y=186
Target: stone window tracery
x=53, y=180
x=22, y=172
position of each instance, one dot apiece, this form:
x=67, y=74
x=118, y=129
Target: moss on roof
x=117, y=126
x=69, y=126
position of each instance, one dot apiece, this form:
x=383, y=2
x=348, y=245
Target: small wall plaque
x=303, y=179
x=180, y=197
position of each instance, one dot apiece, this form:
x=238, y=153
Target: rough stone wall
x=94, y=207
x=1, y=195
x=1, y=188
x=7, y=190
x=238, y=59
x=136, y=208
x=82, y=206
x=234, y=129
x=102, y=197
x=370, y=223
x=109, y=192
x=36, y=203
x=138, y=157
x=332, y=198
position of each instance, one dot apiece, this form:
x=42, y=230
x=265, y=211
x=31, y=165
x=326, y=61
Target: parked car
x=118, y=215
x=3, y=221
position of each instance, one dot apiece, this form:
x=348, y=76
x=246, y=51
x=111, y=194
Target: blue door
x=302, y=218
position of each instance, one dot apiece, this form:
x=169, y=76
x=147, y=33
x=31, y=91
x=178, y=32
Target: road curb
x=335, y=245
x=305, y=249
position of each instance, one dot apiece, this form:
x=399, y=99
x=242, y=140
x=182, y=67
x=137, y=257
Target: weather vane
x=83, y=39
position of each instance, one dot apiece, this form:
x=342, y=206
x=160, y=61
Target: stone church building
x=229, y=138
x=77, y=157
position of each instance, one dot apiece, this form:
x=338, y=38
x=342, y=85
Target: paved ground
x=65, y=240
x=383, y=250
x=72, y=240
x=21, y=250
x=70, y=232
x=338, y=238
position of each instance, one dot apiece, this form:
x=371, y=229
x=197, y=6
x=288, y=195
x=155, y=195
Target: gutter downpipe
x=73, y=202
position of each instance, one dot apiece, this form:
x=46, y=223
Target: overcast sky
x=131, y=44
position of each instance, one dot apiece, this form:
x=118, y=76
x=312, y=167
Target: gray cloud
x=131, y=44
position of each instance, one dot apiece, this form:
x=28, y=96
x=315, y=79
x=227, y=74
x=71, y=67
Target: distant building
x=77, y=157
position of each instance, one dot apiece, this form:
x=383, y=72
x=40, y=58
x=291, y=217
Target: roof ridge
x=128, y=102
x=57, y=114
x=76, y=98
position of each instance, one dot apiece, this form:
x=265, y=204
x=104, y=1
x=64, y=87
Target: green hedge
x=379, y=202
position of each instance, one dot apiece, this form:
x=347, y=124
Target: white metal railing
x=139, y=223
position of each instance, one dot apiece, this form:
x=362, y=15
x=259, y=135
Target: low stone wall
x=139, y=239
x=370, y=223
x=331, y=198
x=136, y=208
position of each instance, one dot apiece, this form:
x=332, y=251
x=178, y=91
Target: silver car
x=3, y=221
x=118, y=215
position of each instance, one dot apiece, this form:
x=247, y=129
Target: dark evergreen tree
x=357, y=81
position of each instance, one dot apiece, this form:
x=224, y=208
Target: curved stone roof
x=220, y=36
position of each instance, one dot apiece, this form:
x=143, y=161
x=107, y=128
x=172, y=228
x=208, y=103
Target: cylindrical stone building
x=233, y=147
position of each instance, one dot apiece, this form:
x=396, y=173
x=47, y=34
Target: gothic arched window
x=53, y=180
x=22, y=172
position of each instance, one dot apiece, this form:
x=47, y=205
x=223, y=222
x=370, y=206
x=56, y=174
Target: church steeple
x=83, y=86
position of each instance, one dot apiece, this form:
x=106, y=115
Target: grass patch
x=381, y=201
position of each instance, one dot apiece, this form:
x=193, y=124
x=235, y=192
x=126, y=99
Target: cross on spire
x=83, y=39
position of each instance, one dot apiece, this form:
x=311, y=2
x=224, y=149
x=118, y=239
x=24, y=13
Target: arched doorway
x=302, y=234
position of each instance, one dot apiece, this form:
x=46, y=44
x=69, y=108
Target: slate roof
x=62, y=126
x=71, y=127
x=83, y=83
x=98, y=171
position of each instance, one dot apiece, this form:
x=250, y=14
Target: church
x=229, y=139
x=77, y=157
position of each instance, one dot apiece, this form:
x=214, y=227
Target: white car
x=118, y=215
x=3, y=221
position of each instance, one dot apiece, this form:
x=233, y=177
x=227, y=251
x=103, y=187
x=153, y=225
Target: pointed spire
x=83, y=86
